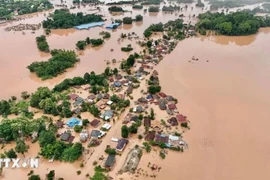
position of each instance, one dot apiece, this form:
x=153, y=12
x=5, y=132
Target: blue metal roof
x=89, y=25
x=112, y=25
x=73, y=121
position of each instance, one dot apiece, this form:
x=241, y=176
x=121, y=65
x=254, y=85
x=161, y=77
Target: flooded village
x=137, y=106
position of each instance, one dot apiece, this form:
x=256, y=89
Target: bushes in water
x=42, y=43
x=63, y=19
x=57, y=64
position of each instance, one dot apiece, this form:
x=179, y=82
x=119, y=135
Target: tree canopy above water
x=63, y=19
x=238, y=23
x=7, y=8
x=60, y=61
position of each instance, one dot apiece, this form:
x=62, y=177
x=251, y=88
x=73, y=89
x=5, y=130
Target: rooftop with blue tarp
x=89, y=25
x=73, y=122
x=111, y=26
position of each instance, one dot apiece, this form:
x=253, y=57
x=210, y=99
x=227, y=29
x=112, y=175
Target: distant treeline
x=63, y=19
x=7, y=8
x=216, y=4
x=238, y=23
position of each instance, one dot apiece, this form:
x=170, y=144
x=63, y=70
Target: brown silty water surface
x=225, y=95
x=18, y=51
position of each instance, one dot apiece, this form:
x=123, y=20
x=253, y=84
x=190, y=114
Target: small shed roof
x=121, y=144
x=181, y=118
x=65, y=136
x=147, y=122
x=150, y=136
x=111, y=26
x=95, y=122
x=95, y=133
x=110, y=161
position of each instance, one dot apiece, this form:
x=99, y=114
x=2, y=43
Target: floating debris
x=22, y=27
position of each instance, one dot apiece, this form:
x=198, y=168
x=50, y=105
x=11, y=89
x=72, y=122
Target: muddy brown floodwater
x=225, y=95
x=227, y=100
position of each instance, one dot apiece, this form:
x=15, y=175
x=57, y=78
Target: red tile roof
x=172, y=106
x=161, y=94
x=181, y=118
x=73, y=96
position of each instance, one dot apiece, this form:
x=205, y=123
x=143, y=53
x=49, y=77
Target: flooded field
x=225, y=95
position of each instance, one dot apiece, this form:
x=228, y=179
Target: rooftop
x=89, y=25
x=121, y=144
x=110, y=161
x=95, y=122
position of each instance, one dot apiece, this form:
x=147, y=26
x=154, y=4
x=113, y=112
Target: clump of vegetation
x=162, y=155
x=7, y=8
x=124, y=131
x=11, y=153
x=115, y=9
x=77, y=128
x=170, y=8
x=126, y=65
x=105, y=34
x=154, y=89
x=81, y=45
x=137, y=6
x=63, y=19
x=42, y=43
x=153, y=28
x=109, y=150
x=127, y=20
x=99, y=174
x=238, y=23
x=93, y=42
x=140, y=136
x=153, y=9
x=57, y=64
x=97, y=82
x=127, y=49
x=154, y=2
x=199, y=4
x=123, y=35
x=139, y=18
x=47, y=31
x=185, y=1
x=147, y=147
x=34, y=177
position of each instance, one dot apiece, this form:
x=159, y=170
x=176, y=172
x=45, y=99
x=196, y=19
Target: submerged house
x=67, y=137
x=173, y=121
x=78, y=101
x=147, y=122
x=108, y=114
x=161, y=138
x=129, y=90
x=73, y=96
x=117, y=84
x=95, y=123
x=121, y=144
x=113, y=26
x=162, y=105
x=89, y=25
x=181, y=118
x=172, y=106
x=110, y=162
x=84, y=136
x=150, y=136
x=73, y=122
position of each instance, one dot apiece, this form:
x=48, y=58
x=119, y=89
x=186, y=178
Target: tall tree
x=21, y=147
